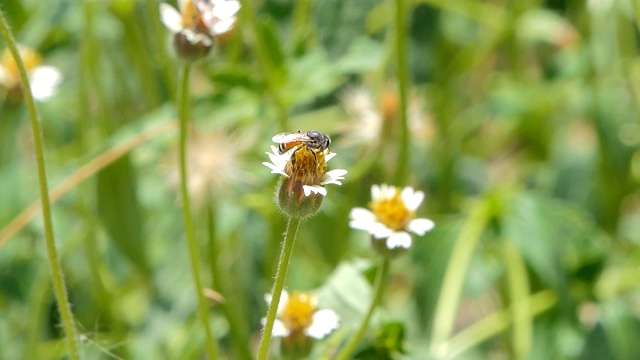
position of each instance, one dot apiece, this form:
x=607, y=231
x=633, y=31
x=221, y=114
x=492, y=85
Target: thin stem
x=403, y=84
x=518, y=287
x=455, y=273
x=496, y=323
x=237, y=330
x=59, y=286
x=278, y=286
x=274, y=73
x=189, y=227
x=381, y=280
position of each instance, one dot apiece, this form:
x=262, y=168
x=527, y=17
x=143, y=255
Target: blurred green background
x=525, y=134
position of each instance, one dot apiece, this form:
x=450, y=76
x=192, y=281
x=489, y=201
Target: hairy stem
x=189, y=227
x=59, y=287
x=381, y=280
x=278, y=286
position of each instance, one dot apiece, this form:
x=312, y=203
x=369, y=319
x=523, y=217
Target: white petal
x=420, y=226
x=274, y=169
x=361, y=219
x=329, y=156
x=333, y=177
x=387, y=191
x=225, y=9
x=316, y=189
x=284, y=299
x=375, y=192
x=380, y=231
x=279, y=330
x=222, y=26
x=411, y=199
x=171, y=18
x=362, y=214
x=44, y=81
x=323, y=323
x=195, y=37
x=399, y=239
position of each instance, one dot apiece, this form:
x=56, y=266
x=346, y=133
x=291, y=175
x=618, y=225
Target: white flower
x=392, y=216
x=299, y=314
x=44, y=80
x=200, y=20
x=314, y=176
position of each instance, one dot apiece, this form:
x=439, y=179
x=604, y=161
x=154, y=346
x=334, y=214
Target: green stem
x=403, y=84
x=273, y=72
x=278, y=286
x=455, y=273
x=59, y=286
x=189, y=227
x=518, y=287
x=237, y=330
x=496, y=323
x=381, y=280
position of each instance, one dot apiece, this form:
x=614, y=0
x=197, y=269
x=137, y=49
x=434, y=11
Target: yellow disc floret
x=392, y=212
x=298, y=313
x=30, y=58
x=307, y=166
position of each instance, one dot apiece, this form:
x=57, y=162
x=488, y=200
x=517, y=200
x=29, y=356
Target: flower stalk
x=278, y=286
x=183, y=115
x=381, y=280
x=403, y=80
x=59, y=287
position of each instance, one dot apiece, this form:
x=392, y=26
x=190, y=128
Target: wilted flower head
x=213, y=163
x=299, y=321
x=391, y=217
x=197, y=23
x=302, y=161
x=44, y=80
x=376, y=118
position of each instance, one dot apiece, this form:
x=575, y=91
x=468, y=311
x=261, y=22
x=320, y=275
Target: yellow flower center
x=298, y=313
x=393, y=213
x=30, y=58
x=307, y=165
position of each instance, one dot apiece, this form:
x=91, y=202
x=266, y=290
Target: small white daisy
x=311, y=171
x=392, y=216
x=44, y=80
x=199, y=21
x=298, y=314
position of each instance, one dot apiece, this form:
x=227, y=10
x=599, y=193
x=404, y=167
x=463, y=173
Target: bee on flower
x=299, y=322
x=197, y=24
x=44, y=79
x=391, y=217
x=301, y=158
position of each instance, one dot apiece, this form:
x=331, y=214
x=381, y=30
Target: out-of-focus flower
x=392, y=216
x=44, y=79
x=299, y=321
x=377, y=120
x=304, y=175
x=197, y=24
x=214, y=163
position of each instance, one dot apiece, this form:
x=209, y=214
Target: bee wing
x=284, y=138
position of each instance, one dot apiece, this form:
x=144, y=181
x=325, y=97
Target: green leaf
x=120, y=211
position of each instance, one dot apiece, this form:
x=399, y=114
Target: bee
x=312, y=139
